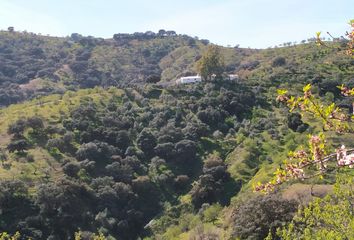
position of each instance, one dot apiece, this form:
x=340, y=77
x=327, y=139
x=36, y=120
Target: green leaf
x=282, y=91
x=307, y=88
x=329, y=109
x=341, y=87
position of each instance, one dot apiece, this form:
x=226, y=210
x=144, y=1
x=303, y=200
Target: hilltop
x=34, y=65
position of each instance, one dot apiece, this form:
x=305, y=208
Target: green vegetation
x=330, y=217
x=118, y=149
x=211, y=64
x=115, y=148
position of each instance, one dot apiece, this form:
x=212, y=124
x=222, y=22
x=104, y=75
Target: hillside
x=34, y=65
x=95, y=136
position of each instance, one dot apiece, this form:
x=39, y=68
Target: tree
x=60, y=207
x=146, y=141
x=186, y=150
x=278, y=61
x=180, y=182
x=211, y=63
x=71, y=169
x=206, y=190
x=171, y=33
x=295, y=123
x=258, y=216
x=153, y=78
x=18, y=145
x=162, y=32
x=15, y=204
x=17, y=128
x=191, y=42
x=95, y=151
x=37, y=132
x=210, y=186
x=123, y=141
x=165, y=150
x=120, y=172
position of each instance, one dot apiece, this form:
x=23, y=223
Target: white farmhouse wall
x=189, y=79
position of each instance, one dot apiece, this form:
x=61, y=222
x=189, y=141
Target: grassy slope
x=308, y=61
x=52, y=108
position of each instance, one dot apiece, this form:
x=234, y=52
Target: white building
x=233, y=77
x=189, y=79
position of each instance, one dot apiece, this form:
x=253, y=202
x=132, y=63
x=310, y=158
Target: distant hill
x=33, y=65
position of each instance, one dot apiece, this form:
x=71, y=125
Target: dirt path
x=4, y=139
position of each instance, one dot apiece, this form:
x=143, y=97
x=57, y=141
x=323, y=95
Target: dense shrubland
x=123, y=158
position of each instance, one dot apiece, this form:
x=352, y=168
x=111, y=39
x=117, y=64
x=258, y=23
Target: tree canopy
x=211, y=64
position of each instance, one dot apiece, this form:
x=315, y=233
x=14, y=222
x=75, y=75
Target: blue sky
x=250, y=23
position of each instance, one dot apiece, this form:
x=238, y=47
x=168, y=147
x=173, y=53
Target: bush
x=278, y=61
x=258, y=216
x=295, y=123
